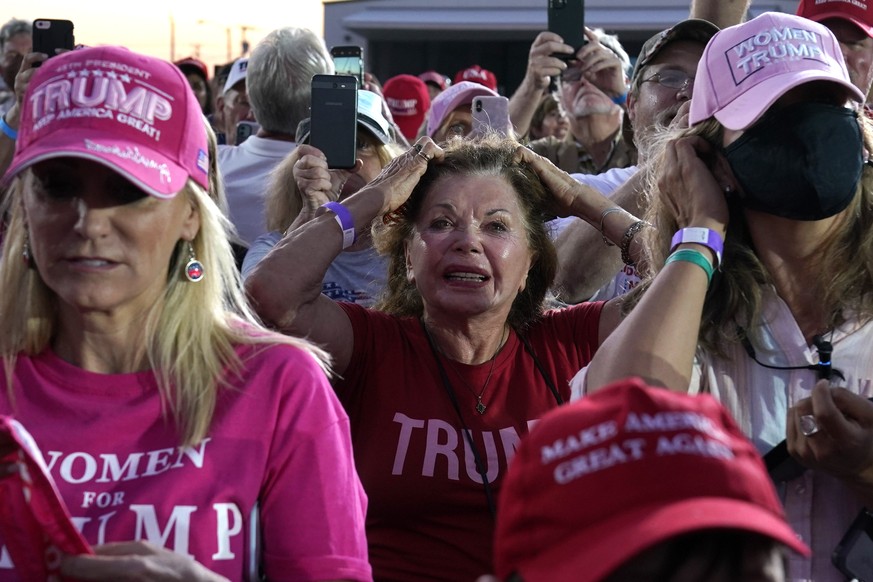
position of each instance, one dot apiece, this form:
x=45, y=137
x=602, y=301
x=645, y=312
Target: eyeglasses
x=671, y=79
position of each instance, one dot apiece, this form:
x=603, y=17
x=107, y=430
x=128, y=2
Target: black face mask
x=802, y=161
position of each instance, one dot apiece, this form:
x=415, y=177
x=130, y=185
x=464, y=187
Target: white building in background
x=411, y=36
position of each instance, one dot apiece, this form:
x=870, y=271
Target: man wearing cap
x=591, y=89
x=234, y=104
x=16, y=40
x=852, y=24
x=408, y=100
x=661, y=83
x=436, y=83
x=476, y=74
x=278, y=80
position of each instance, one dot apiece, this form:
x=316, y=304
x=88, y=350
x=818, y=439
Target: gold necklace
x=480, y=406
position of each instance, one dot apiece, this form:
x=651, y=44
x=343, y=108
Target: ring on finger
x=808, y=425
x=424, y=156
x=418, y=147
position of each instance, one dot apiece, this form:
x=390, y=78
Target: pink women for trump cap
x=746, y=68
x=600, y=480
x=132, y=113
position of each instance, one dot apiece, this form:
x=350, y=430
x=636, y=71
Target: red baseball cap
x=132, y=113
x=409, y=101
x=858, y=13
x=598, y=481
x=477, y=74
x=193, y=64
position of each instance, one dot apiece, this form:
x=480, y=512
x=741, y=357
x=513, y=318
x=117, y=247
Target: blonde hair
x=190, y=334
x=285, y=200
x=844, y=260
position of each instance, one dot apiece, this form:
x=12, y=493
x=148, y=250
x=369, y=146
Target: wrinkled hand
x=541, y=65
x=136, y=561
x=396, y=181
x=690, y=183
x=567, y=194
x=316, y=183
x=601, y=66
x=843, y=445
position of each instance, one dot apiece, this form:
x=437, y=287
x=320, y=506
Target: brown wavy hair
x=491, y=155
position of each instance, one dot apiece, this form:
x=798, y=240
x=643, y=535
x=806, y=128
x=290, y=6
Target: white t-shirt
x=606, y=183
x=246, y=171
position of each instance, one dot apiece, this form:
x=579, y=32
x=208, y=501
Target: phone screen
x=349, y=60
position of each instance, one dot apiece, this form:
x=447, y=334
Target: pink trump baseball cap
x=600, y=480
x=460, y=93
x=132, y=113
x=746, y=68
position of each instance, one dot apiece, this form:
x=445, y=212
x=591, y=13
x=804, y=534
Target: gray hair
x=13, y=27
x=279, y=76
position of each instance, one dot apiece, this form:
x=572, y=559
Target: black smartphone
x=349, y=60
x=334, y=118
x=853, y=556
x=782, y=466
x=50, y=34
x=567, y=19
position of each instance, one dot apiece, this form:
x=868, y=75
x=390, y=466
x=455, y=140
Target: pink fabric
x=278, y=449
x=746, y=68
x=428, y=516
x=33, y=517
x=134, y=114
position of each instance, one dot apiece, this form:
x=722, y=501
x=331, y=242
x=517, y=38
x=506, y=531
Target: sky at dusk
x=200, y=27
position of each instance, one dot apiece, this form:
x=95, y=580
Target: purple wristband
x=702, y=236
x=345, y=221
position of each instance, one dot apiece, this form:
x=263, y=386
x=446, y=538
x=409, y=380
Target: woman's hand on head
x=568, y=195
x=843, y=444
x=397, y=180
x=136, y=561
x=693, y=181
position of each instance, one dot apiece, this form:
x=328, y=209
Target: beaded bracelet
x=693, y=256
x=626, y=240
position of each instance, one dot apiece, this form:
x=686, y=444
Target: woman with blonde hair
x=167, y=413
x=302, y=182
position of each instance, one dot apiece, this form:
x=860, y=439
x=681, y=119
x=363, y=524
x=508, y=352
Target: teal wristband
x=8, y=131
x=620, y=99
x=692, y=256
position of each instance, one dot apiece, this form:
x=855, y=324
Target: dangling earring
x=194, y=268
x=26, y=256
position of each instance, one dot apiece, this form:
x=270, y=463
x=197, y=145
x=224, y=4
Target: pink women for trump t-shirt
x=273, y=484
